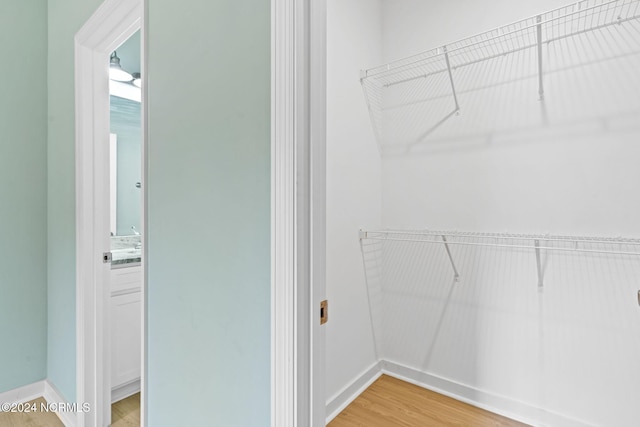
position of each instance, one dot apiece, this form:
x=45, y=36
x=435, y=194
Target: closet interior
x=483, y=208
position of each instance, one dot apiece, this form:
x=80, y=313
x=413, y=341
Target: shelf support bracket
x=539, y=265
x=456, y=276
x=539, y=36
x=453, y=86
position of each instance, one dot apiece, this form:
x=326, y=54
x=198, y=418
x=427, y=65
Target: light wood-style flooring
x=126, y=412
x=30, y=419
x=390, y=402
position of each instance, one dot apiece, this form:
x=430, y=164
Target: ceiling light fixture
x=137, y=80
x=115, y=70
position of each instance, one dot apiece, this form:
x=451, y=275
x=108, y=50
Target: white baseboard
x=52, y=395
x=342, y=399
x=498, y=404
x=38, y=389
x=24, y=393
x=125, y=390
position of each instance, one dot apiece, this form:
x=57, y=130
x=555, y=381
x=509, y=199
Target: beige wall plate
x=324, y=311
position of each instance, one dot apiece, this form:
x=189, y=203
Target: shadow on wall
x=562, y=347
x=571, y=75
x=518, y=149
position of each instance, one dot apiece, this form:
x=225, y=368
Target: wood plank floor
x=388, y=402
x=126, y=412
x=30, y=419
x=391, y=402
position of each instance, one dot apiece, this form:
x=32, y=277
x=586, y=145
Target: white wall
x=573, y=349
x=412, y=26
x=353, y=187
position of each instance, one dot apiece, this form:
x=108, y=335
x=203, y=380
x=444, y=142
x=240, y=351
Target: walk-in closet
x=483, y=207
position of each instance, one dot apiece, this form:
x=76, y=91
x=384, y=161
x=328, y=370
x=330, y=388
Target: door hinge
x=324, y=312
x=106, y=257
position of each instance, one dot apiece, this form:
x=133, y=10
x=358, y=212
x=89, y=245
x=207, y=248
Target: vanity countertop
x=125, y=256
x=125, y=251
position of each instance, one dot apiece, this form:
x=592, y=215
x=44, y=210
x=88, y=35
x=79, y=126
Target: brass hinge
x=324, y=312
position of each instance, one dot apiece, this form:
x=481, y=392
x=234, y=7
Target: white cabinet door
x=126, y=338
x=126, y=280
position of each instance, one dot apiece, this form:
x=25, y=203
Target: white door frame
x=112, y=23
x=298, y=206
x=298, y=93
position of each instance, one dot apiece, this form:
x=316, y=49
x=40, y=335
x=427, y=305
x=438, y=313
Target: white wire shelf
x=577, y=18
x=583, y=56
x=542, y=242
x=509, y=240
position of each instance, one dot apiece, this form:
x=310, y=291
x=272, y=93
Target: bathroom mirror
x=126, y=142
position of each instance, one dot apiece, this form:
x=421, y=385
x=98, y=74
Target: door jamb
x=112, y=23
x=298, y=93
x=298, y=144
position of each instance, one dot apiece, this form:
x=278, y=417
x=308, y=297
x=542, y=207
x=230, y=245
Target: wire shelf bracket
x=453, y=86
x=539, y=265
x=539, y=43
x=565, y=244
x=456, y=275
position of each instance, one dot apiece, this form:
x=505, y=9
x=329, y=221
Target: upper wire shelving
x=579, y=60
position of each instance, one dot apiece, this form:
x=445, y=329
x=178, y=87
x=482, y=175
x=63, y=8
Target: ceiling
x=129, y=53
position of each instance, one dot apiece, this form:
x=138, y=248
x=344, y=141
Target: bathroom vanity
x=126, y=272
x=126, y=322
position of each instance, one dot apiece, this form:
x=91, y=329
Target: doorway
x=108, y=29
x=126, y=224
x=426, y=139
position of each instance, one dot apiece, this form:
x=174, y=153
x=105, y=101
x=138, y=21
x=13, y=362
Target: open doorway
x=107, y=31
x=126, y=224
x=438, y=122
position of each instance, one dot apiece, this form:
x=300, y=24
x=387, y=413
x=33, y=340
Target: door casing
x=112, y=23
x=298, y=206
x=298, y=88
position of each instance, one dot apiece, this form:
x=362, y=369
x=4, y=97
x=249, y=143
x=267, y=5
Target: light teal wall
x=23, y=169
x=126, y=123
x=208, y=213
x=208, y=230
x=65, y=19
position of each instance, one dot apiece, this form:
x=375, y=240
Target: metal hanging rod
x=538, y=243
x=538, y=44
x=507, y=33
x=504, y=245
x=370, y=234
